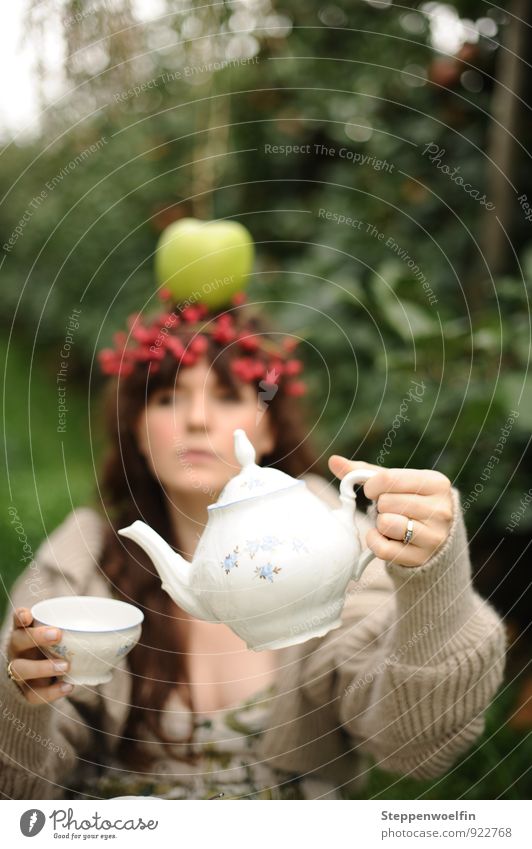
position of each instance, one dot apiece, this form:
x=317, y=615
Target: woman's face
x=185, y=432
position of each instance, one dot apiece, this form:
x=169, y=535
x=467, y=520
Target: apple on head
x=206, y=261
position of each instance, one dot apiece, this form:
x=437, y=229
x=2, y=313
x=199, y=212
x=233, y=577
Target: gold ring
x=409, y=533
x=11, y=675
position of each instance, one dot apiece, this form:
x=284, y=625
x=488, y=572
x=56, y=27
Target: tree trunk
x=505, y=156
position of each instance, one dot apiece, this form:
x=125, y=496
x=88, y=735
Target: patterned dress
x=227, y=767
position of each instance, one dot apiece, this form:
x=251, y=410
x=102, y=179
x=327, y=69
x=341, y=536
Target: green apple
x=206, y=261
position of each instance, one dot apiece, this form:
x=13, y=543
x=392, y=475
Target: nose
x=197, y=415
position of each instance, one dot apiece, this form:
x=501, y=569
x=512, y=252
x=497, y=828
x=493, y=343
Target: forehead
x=201, y=373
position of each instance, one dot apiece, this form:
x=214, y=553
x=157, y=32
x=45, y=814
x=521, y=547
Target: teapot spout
x=173, y=569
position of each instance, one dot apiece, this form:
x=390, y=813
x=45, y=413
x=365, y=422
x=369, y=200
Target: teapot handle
x=348, y=498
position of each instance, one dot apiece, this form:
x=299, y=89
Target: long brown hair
x=129, y=491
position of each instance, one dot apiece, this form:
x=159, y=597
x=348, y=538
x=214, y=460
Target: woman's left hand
x=423, y=495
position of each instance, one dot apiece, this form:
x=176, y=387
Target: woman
x=191, y=713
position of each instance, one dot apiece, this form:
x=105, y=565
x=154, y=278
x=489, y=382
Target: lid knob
x=244, y=450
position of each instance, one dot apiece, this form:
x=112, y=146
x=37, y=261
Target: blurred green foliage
x=47, y=473
x=404, y=294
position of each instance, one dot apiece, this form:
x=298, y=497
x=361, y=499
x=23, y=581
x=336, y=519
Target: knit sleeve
x=414, y=671
x=40, y=745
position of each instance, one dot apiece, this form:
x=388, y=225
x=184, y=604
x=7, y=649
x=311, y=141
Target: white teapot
x=273, y=562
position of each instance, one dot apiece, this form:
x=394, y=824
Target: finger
x=28, y=670
x=22, y=617
x=39, y=695
x=420, y=481
x=340, y=466
x=429, y=537
x=422, y=507
x=23, y=639
x=392, y=551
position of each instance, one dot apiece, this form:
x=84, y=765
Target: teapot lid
x=252, y=481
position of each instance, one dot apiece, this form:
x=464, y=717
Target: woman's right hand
x=33, y=671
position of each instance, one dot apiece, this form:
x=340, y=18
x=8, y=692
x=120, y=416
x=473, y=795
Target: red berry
x=120, y=339
x=125, y=369
x=108, y=360
x=170, y=319
x=290, y=344
x=174, y=345
x=296, y=388
x=244, y=368
x=224, y=334
x=248, y=343
x=199, y=345
x=142, y=353
x=191, y=314
x=144, y=335
x=259, y=369
x=188, y=359
x=106, y=354
x=293, y=367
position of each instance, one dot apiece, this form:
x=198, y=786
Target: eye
x=165, y=397
x=228, y=395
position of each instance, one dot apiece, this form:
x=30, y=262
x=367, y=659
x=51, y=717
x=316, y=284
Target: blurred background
x=379, y=153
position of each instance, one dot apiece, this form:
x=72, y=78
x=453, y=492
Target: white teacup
x=96, y=634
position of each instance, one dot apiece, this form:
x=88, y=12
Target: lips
x=197, y=454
